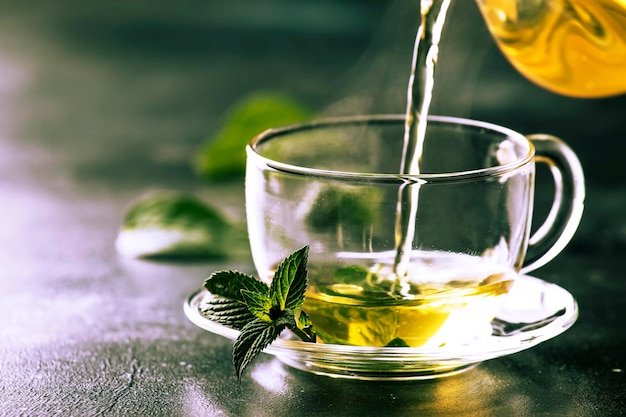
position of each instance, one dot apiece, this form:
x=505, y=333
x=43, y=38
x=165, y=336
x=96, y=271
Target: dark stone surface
x=101, y=101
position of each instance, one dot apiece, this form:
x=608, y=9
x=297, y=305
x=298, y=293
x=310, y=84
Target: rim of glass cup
x=260, y=160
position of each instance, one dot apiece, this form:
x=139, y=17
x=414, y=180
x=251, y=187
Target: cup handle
x=567, y=208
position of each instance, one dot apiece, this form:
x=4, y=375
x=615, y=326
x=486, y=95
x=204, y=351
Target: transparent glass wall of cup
x=332, y=185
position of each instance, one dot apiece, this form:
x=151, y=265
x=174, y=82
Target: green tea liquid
x=359, y=306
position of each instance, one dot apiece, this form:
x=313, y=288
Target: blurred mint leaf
x=223, y=155
x=168, y=224
x=352, y=274
x=334, y=207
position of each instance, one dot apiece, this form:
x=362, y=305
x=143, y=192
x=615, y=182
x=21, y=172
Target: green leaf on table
x=223, y=155
x=268, y=309
x=169, y=224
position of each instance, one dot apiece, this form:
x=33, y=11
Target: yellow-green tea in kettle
x=571, y=47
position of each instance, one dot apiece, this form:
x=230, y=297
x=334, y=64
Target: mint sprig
x=258, y=311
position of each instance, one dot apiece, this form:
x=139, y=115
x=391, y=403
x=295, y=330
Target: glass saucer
x=535, y=311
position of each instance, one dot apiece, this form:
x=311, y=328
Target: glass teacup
x=333, y=185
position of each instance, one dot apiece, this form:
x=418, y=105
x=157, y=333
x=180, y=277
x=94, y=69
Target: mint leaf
x=228, y=312
x=397, y=342
x=229, y=306
x=167, y=208
x=223, y=155
x=175, y=225
x=304, y=321
x=260, y=312
x=335, y=207
x=259, y=304
x=254, y=337
x=304, y=325
x=351, y=274
x=230, y=283
x=290, y=281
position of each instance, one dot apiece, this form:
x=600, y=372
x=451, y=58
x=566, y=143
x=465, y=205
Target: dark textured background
x=101, y=101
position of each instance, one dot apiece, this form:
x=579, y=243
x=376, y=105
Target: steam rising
x=378, y=81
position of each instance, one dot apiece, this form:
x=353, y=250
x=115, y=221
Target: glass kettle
x=571, y=47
